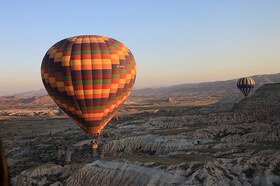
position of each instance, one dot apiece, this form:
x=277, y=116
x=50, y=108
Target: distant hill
x=183, y=89
x=227, y=86
x=18, y=102
x=41, y=92
x=267, y=97
x=225, y=92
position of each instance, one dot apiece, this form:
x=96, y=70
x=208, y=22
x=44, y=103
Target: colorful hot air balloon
x=245, y=85
x=89, y=77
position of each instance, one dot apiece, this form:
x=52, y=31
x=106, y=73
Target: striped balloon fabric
x=89, y=77
x=245, y=85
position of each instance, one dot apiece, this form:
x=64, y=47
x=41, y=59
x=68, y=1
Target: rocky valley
x=154, y=143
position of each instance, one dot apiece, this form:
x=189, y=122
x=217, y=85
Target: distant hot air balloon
x=245, y=85
x=89, y=77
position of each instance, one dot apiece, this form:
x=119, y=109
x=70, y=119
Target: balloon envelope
x=89, y=77
x=245, y=85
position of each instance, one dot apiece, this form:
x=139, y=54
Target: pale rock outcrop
x=29, y=177
x=151, y=143
x=213, y=173
x=47, y=174
x=122, y=173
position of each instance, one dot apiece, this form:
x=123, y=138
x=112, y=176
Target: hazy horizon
x=173, y=43
x=141, y=88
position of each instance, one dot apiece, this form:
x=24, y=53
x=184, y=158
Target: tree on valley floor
x=4, y=174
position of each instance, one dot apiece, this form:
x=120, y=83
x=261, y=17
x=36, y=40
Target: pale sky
x=173, y=42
